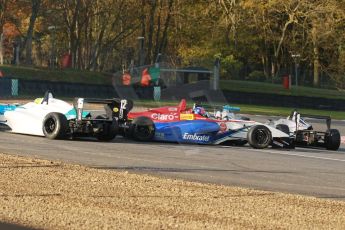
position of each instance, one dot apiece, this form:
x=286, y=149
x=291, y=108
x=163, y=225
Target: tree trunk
x=316, y=81
x=3, y=9
x=316, y=61
x=153, y=5
x=164, y=41
x=1, y=48
x=28, y=42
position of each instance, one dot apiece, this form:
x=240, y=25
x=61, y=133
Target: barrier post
x=14, y=87
x=286, y=82
x=157, y=93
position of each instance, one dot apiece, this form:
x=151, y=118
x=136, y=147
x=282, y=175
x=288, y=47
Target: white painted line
x=300, y=155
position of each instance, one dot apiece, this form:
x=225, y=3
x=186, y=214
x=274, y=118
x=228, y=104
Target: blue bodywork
x=4, y=108
x=191, y=131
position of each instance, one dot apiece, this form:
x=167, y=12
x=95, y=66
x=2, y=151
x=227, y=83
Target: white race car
x=303, y=133
x=57, y=119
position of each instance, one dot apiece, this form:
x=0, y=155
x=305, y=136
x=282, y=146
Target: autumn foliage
x=255, y=39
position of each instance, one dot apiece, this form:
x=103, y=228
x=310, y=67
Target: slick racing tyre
x=55, y=126
x=108, y=129
x=332, y=139
x=142, y=129
x=259, y=137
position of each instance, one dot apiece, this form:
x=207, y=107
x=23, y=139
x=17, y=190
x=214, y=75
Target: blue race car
x=196, y=125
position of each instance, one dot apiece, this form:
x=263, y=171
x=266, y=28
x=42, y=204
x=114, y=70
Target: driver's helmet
x=38, y=100
x=199, y=110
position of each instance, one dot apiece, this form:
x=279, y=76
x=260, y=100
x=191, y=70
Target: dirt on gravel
x=53, y=195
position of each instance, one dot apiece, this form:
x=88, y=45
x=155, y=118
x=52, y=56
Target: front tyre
x=332, y=139
x=259, y=137
x=55, y=126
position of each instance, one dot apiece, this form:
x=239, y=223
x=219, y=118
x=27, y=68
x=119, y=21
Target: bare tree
x=3, y=9
x=35, y=7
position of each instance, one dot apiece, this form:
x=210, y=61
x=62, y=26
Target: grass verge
x=268, y=88
x=251, y=109
x=45, y=74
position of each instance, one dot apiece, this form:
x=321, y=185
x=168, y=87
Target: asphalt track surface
x=313, y=172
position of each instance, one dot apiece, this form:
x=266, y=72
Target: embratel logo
x=195, y=137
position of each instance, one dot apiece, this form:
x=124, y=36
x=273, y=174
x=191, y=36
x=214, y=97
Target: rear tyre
x=108, y=131
x=55, y=126
x=142, y=129
x=332, y=139
x=259, y=137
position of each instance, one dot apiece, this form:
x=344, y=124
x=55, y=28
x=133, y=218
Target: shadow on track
x=156, y=169
x=13, y=227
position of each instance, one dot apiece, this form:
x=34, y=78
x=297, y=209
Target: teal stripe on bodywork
x=4, y=108
x=73, y=114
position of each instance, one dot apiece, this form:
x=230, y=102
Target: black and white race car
x=303, y=133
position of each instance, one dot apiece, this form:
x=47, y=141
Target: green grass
x=68, y=75
x=262, y=87
x=283, y=111
x=251, y=109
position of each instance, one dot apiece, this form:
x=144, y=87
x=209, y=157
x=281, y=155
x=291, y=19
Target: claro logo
x=195, y=137
x=164, y=117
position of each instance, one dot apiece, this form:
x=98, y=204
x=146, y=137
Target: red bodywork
x=175, y=113
x=170, y=114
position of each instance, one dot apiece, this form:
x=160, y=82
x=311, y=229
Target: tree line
x=254, y=39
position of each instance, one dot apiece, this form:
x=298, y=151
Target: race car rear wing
x=327, y=118
x=118, y=108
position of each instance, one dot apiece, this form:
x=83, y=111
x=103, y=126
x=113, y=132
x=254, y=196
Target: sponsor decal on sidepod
x=164, y=117
x=223, y=127
x=195, y=137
